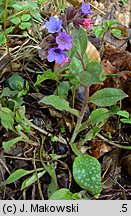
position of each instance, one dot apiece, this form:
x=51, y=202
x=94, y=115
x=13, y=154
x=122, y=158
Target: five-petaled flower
x=53, y=25
x=64, y=41
x=86, y=9
x=87, y=23
x=57, y=55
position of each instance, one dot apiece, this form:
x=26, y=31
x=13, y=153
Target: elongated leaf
x=7, y=118
x=18, y=174
x=61, y=194
x=80, y=40
x=127, y=121
x=29, y=181
x=7, y=145
x=59, y=103
x=107, y=97
x=87, y=173
x=123, y=113
x=46, y=75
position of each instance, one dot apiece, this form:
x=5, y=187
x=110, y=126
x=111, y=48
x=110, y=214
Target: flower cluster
x=56, y=45
x=63, y=41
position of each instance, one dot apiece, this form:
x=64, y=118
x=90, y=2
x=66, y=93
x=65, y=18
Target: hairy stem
x=84, y=106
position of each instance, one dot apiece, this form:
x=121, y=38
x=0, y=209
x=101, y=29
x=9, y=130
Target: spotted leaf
x=87, y=174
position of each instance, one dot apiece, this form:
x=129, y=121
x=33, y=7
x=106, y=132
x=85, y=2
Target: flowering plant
x=66, y=44
x=55, y=47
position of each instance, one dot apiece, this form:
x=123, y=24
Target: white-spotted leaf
x=80, y=40
x=87, y=174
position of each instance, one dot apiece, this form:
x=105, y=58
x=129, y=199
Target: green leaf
x=76, y=64
x=63, y=89
x=16, y=82
x=126, y=121
x=59, y=103
x=98, y=116
x=109, y=23
x=18, y=6
x=6, y=92
x=61, y=194
x=107, y=97
x=80, y=40
x=17, y=175
x=116, y=32
x=29, y=181
x=10, y=29
x=87, y=174
x=7, y=145
x=24, y=25
x=2, y=35
x=92, y=75
x=16, y=20
x=7, y=118
x=25, y=17
x=34, y=13
x=123, y=114
x=52, y=188
x=46, y=75
x=99, y=31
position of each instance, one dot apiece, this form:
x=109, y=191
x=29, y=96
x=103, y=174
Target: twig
x=98, y=9
x=7, y=44
x=112, y=143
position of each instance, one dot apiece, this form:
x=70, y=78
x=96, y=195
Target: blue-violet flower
x=53, y=25
x=64, y=41
x=56, y=54
x=86, y=9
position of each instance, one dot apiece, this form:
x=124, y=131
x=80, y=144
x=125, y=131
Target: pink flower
x=65, y=60
x=87, y=23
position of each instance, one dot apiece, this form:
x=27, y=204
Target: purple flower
x=56, y=54
x=64, y=41
x=86, y=9
x=53, y=25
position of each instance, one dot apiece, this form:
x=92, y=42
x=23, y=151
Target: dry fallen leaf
x=92, y=52
x=99, y=148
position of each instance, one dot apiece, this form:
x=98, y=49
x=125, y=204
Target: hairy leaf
x=59, y=103
x=87, y=174
x=107, y=97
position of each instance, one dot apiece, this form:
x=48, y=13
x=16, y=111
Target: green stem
x=84, y=106
x=79, y=120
